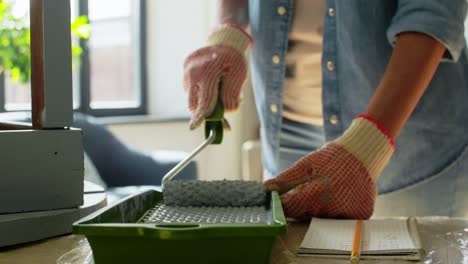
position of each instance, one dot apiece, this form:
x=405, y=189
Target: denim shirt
x=359, y=36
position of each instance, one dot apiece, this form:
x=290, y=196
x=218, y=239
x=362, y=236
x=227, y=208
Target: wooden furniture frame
x=42, y=162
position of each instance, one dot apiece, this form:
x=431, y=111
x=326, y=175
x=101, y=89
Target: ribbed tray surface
x=162, y=214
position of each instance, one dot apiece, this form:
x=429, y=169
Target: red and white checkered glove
x=338, y=180
x=222, y=58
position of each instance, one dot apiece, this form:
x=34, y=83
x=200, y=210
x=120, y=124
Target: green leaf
x=5, y=42
x=15, y=74
x=8, y=63
x=76, y=50
x=3, y=8
x=83, y=31
x=81, y=28
x=79, y=21
x=15, y=42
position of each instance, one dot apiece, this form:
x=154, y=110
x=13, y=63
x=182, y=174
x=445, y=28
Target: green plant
x=15, y=56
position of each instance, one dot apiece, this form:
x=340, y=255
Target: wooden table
x=443, y=240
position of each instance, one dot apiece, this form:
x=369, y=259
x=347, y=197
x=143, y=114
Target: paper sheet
x=378, y=235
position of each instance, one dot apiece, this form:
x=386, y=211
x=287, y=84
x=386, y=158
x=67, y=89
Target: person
x=382, y=112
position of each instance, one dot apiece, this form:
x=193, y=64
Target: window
x=110, y=78
x=173, y=33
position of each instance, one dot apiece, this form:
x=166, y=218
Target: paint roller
x=219, y=193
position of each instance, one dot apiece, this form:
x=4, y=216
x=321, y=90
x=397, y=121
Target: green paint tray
x=141, y=229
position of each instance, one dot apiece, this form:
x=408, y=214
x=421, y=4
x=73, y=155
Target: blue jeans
x=445, y=193
x=442, y=194
x=296, y=141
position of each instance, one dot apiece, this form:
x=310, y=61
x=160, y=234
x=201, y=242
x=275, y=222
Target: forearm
x=413, y=63
x=233, y=11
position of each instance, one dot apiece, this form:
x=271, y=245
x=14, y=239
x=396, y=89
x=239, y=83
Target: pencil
x=356, y=251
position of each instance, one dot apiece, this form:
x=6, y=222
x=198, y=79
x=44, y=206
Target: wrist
x=369, y=142
x=231, y=35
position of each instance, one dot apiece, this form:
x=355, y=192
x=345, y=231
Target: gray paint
x=26, y=227
x=220, y=193
x=41, y=170
x=58, y=110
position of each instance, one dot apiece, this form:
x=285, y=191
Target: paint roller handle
x=214, y=126
x=215, y=122
x=209, y=140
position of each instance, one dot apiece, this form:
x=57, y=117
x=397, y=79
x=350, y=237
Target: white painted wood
x=32, y=226
x=58, y=110
x=41, y=170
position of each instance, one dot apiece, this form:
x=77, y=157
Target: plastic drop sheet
x=445, y=241
x=80, y=254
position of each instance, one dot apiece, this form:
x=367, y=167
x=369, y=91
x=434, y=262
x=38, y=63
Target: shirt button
x=330, y=66
x=274, y=108
x=281, y=10
x=331, y=12
x=276, y=59
x=333, y=119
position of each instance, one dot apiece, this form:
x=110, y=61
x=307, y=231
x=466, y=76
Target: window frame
x=2, y=92
x=141, y=67
x=83, y=73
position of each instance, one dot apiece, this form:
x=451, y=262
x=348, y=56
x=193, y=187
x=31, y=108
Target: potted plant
x=15, y=56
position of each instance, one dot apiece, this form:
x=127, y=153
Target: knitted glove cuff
x=231, y=35
x=369, y=142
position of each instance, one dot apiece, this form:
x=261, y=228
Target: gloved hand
x=222, y=58
x=338, y=180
